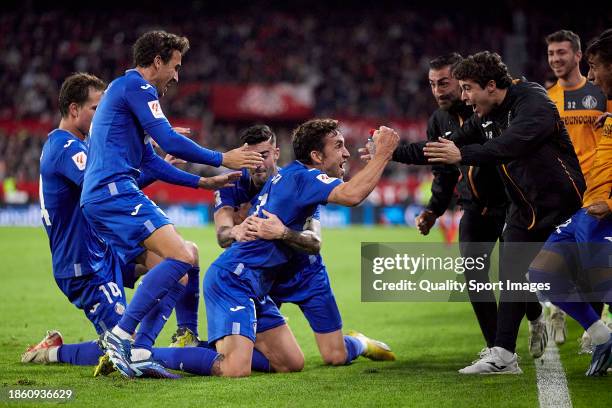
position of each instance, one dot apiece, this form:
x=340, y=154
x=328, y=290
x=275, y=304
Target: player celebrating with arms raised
x=129, y=115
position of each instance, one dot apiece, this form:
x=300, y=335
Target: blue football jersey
x=243, y=191
x=294, y=195
x=75, y=249
x=128, y=112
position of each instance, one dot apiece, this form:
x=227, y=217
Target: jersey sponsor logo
x=80, y=160
x=579, y=120
x=589, y=102
x=447, y=133
x=326, y=179
x=156, y=109
x=487, y=124
x=136, y=209
x=608, y=238
x=145, y=87
x=68, y=143
x=237, y=308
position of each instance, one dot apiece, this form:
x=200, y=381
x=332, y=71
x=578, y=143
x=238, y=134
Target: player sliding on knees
x=305, y=282
x=237, y=284
x=129, y=115
x=85, y=267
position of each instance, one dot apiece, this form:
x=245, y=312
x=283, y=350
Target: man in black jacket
x=517, y=128
x=481, y=192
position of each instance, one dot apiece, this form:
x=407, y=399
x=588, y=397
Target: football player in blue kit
x=127, y=118
x=306, y=282
x=85, y=267
x=237, y=284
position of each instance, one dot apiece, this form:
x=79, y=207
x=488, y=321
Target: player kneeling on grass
x=86, y=269
x=237, y=284
x=305, y=282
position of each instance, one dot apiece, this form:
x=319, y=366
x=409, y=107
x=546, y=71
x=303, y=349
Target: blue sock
x=260, y=362
x=354, y=348
x=195, y=360
x=81, y=354
x=583, y=313
x=187, y=305
x=155, y=320
x=154, y=286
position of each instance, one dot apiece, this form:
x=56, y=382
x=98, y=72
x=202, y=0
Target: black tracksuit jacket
x=527, y=141
x=480, y=189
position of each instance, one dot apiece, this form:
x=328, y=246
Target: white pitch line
x=552, y=384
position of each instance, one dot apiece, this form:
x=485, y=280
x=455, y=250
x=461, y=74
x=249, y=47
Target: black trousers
x=477, y=237
x=518, y=250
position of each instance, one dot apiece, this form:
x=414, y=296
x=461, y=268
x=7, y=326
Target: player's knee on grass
x=237, y=354
x=334, y=356
x=289, y=363
x=332, y=348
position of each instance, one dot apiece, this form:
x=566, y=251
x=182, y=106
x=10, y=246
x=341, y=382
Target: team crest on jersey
x=80, y=160
x=325, y=178
x=156, y=109
x=589, y=102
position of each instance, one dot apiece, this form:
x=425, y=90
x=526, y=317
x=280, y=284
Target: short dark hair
x=565, y=35
x=154, y=43
x=601, y=47
x=75, y=89
x=257, y=134
x=445, y=60
x=310, y=136
x=483, y=67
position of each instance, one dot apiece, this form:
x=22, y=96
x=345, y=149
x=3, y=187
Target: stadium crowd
x=359, y=68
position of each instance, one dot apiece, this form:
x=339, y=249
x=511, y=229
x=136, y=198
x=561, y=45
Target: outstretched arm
x=361, y=185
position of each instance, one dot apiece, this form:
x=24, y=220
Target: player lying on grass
x=85, y=267
x=128, y=117
x=306, y=282
x=576, y=260
x=237, y=284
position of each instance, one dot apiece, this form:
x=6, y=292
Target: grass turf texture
x=431, y=340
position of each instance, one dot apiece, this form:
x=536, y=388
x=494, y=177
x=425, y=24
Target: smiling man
x=305, y=281
x=128, y=117
x=580, y=103
x=517, y=128
x=241, y=316
x=578, y=251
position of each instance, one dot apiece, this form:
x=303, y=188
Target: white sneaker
x=586, y=346
x=538, y=337
x=557, y=326
x=492, y=363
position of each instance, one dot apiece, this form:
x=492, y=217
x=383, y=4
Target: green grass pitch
x=432, y=341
